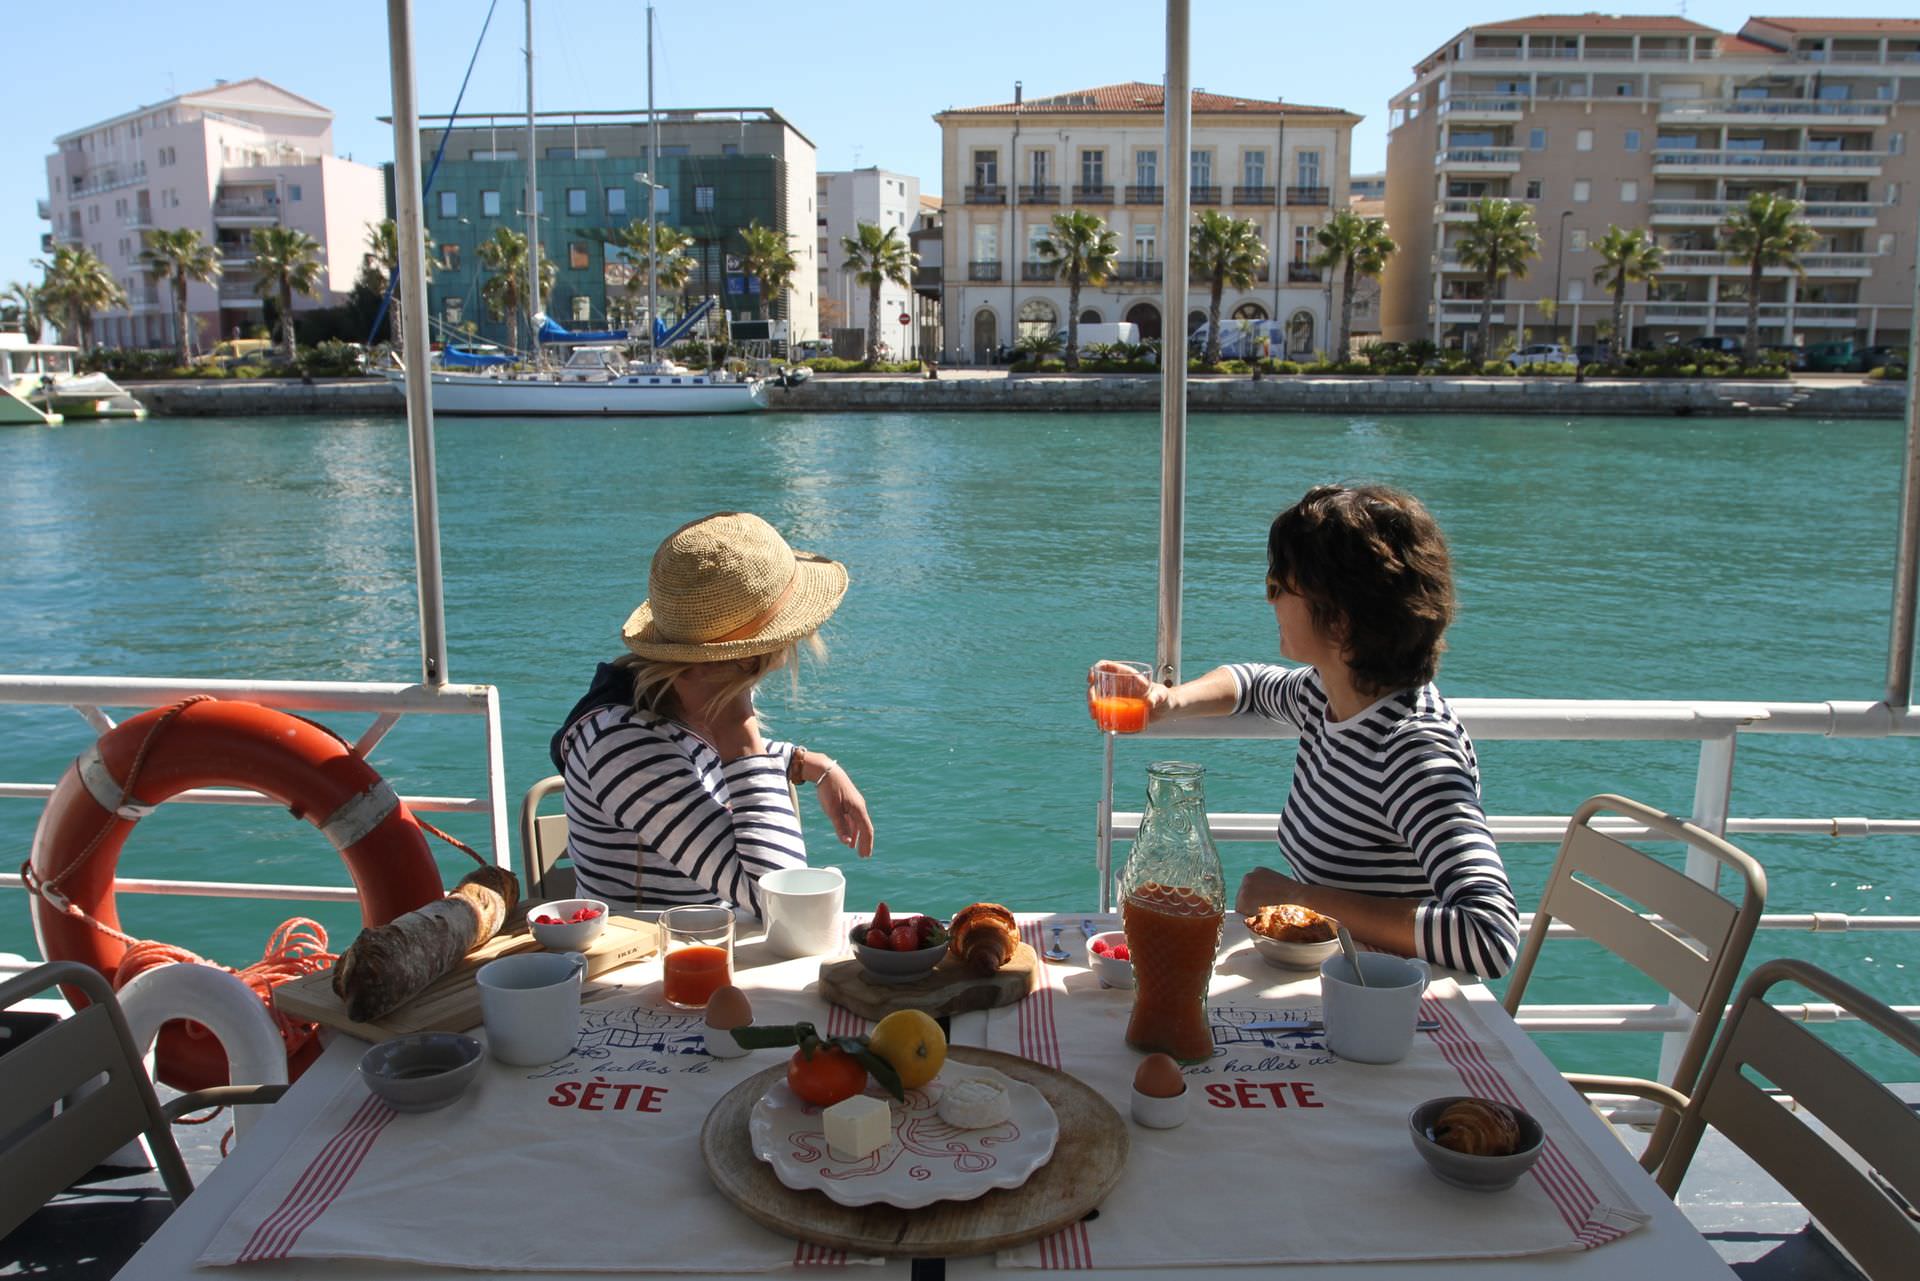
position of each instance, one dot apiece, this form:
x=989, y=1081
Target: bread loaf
x=984, y=937
x=389, y=965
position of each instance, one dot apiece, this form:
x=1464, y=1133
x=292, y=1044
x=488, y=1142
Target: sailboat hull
x=638, y=395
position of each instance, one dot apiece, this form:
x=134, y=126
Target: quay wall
x=1665, y=397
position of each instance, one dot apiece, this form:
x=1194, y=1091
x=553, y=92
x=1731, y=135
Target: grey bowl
x=421, y=1072
x=1474, y=1173
x=886, y=966
x=1294, y=956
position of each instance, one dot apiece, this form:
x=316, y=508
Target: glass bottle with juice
x=1173, y=903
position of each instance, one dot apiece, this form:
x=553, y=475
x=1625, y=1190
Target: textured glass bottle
x=1173, y=899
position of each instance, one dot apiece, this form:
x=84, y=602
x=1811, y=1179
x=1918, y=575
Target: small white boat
x=579, y=389
x=43, y=376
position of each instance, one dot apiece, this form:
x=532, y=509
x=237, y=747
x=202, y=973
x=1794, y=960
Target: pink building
x=224, y=161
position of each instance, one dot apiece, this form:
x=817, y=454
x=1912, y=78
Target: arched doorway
x=1038, y=319
x=1195, y=319
x=1249, y=311
x=1089, y=315
x=1300, y=333
x=1146, y=317
x=986, y=335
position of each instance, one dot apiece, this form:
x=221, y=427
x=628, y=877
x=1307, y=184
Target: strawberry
x=1101, y=947
x=882, y=919
x=1120, y=953
x=877, y=937
x=548, y=920
x=924, y=929
x=906, y=938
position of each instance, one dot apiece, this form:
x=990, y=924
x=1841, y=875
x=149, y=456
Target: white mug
x=802, y=908
x=1372, y=1024
x=530, y=1005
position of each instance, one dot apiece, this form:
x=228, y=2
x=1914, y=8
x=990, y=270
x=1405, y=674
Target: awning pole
x=1173, y=345
x=1906, y=564
x=413, y=320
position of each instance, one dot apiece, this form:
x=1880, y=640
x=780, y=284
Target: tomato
x=826, y=1078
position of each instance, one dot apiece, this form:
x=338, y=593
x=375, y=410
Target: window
x=1306, y=167
x=450, y=256
x=490, y=204
x=582, y=307
x=674, y=149
x=1582, y=191
x=1304, y=245
x=1629, y=191
x=1038, y=318
x=1536, y=140
x=293, y=192
x=449, y=204
x=452, y=311
x=703, y=199
x=1535, y=188
x=1146, y=168
x=1093, y=167
x=1146, y=237
x=496, y=154
x=1576, y=290
x=576, y=200
x=1036, y=233
x=986, y=242
x=578, y=258
x=986, y=168
x=1886, y=244
x=1631, y=140
x=1583, y=140
x=616, y=200
x=1202, y=175
x=1253, y=168
x=93, y=213
x=1893, y=193
x=729, y=148
x=1896, y=144
x=1577, y=241
x=1039, y=165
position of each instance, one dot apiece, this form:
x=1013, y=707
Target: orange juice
x=1120, y=714
x=1173, y=934
x=694, y=973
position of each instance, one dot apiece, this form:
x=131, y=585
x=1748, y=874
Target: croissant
x=984, y=937
x=1478, y=1127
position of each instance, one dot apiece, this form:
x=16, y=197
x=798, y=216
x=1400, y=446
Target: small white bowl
x=1160, y=1114
x=1294, y=956
x=1110, y=972
x=721, y=1045
x=567, y=936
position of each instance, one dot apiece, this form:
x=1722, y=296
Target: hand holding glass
x=1117, y=695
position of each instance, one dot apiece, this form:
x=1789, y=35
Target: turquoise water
x=992, y=558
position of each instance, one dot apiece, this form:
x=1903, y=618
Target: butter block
x=858, y=1127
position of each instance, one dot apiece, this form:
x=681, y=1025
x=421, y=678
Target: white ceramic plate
x=928, y=1159
x=1295, y=956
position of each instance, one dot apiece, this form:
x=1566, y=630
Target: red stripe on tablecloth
x=840, y=1022
x=319, y=1183
x=1069, y=1249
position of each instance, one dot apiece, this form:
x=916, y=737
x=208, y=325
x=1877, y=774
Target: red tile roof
x=1138, y=96
x=1845, y=26
x=1595, y=22
x=1741, y=47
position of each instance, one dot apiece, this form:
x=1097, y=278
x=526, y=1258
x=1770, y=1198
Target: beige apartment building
x=223, y=161
x=1662, y=124
x=1006, y=169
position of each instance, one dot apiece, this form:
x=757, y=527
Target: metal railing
x=1039, y=193
x=1098, y=194
x=1208, y=195
x=1138, y=271
x=1714, y=260
x=1037, y=270
x=246, y=209
x=983, y=270
x=1309, y=195
x=1470, y=157
x=1717, y=210
x=90, y=697
x=1147, y=195
x=1828, y=107
x=986, y=194
x=1505, y=104
x=1781, y=158
x=1254, y=195
x=1302, y=273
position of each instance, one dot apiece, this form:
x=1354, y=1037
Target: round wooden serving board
x=950, y=988
x=1086, y=1163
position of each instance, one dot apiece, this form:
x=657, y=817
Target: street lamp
x=1559, y=261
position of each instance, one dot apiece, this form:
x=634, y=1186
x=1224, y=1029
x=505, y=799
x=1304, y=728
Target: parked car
x=1832, y=357
x=1541, y=353
x=1794, y=357
x=1882, y=358
x=1725, y=344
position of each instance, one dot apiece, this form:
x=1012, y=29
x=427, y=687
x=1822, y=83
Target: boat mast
x=1906, y=566
x=533, y=203
x=653, y=150
x=1173, y=345
x=413, y=323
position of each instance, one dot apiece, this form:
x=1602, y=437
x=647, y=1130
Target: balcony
x=1039, y=272
x=1302, y=273
x=1855, y=57
x=1499, y=106
x=1099, y=194
x=1781, y=111
x=1148, y=195
x=988, y=271
x=1254, y=195
x=108, y=178
x=140, y=220
x=1311, y=196
x=1712, y=262
x=1462, y=209
x=239, y=294
x=246, y=213
x=1479, y=159
x=989, y=194
x=43, y=211
x=1703, y=212
x=1829, y=164
x=1203, y=195
x=1040, y=193
x=1136, y=271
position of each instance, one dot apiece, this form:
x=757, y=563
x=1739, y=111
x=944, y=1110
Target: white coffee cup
x=530, y=1005
x=802, y=907
x=1372, y=1024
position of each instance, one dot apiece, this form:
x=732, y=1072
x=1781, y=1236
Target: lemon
x=912, y=1044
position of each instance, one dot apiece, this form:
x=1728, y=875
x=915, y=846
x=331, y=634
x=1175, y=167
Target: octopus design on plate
x=920, y=1138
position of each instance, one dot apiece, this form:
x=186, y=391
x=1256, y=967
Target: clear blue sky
x=860, y=79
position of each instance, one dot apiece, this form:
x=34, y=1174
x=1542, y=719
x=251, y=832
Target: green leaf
x=775, y=1036
x=878, y=1068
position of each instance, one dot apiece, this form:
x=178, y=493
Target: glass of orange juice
x=699, y=954
x=1119, y=695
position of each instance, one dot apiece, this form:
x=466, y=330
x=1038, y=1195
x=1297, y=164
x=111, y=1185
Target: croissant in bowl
x=984, y=937
x=1478, y=1127
x=1291, y=923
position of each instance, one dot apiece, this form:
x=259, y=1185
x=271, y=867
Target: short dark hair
x=1372, y=565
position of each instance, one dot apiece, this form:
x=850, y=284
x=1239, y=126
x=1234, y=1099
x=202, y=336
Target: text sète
x=600, y=1095
x=1262, y=1094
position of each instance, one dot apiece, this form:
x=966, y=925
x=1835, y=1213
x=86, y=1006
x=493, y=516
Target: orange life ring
x=212, y=743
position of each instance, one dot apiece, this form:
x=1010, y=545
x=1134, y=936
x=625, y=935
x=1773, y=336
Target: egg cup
x=721, y=1045
x=1157, y=1113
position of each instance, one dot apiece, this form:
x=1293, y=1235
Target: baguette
x=389, y=965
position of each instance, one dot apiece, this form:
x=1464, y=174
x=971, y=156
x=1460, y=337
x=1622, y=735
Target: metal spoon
x=1087, y=927
x=1056, y=952
x=1352, y=954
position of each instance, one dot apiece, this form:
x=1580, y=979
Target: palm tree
x=875, y=257
x=670, y=260
x=1499, y=242
x=770, y=258
x=25, y=303
x=285, y=262
x=1625, y=257
x=1354, y=246
x=1767, y=232
x=1086, y=250
x=1225, y=251
x=77, y=284
x=383, y=255
x=180, y=255
x=504, y=255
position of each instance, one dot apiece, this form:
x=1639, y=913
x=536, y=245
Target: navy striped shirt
x=655, y=818
x=1388, y=802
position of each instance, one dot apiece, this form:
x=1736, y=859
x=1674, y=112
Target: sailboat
x=595, y=378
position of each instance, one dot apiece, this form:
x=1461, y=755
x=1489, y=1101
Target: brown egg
x=728, y=1008
x=1159, y=1077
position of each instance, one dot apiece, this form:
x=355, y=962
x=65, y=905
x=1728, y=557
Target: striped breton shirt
x=1388, y=802
x=654, y=817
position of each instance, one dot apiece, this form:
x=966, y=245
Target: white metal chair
x=543, y=840
x=1695, y=947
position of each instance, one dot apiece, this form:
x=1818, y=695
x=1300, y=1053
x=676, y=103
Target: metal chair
x=1695, y=947
x=543, y=840
x=88, y=1066
x=1863, y=1202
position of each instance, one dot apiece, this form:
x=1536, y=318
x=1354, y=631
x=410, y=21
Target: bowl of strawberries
x=898, y=948
x=1110, y=959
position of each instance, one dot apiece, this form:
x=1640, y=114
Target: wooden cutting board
x=1086, y=1164
x=949, y=988
x=452, y=1002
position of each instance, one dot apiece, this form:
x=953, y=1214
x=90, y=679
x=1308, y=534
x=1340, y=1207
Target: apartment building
x=223, y=161
x=718, y=171
x=1666, y=125
x=890, y=201
x=1007, y=168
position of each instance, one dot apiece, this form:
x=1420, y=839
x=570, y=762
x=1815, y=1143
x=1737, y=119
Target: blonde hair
x=653, y=678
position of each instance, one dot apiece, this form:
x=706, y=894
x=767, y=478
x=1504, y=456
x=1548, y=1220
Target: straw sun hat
x=728, y=586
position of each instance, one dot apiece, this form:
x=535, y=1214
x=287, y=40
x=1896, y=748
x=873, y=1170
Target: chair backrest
x=1694, y=950
x=1851, y=1203
x=88, y=1066
x=543, y=839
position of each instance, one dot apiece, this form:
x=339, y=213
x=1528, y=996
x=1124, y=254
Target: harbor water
x=993, y=557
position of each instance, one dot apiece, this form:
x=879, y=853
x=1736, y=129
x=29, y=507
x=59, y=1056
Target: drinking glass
x=1120, y=695
x=699, y=954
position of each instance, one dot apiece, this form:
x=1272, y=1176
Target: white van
x=1242, y=339
x=1092, y=335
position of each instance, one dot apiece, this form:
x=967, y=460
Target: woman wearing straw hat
x=673, y=794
